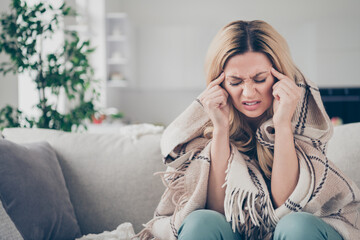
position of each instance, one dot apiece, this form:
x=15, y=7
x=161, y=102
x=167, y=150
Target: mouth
x=250, y=103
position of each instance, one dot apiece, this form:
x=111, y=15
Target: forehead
x=247, y=64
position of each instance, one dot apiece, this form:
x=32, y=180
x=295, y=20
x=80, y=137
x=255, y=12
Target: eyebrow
x=256, y=75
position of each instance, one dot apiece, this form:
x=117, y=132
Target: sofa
x=109, y=178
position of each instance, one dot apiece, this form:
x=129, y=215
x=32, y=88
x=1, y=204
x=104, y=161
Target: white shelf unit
x=117, y=50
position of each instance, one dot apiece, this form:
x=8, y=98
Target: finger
x=217, y=81
x=214, y=89
x=217, y=93
x=287, y=81
x=277, y=74
x=287, y=86
x=285, y=91
x=220, y=101
x=210, y=92
x=290, y=87
x=276, y=95
x=280, y=93
x=215, y=102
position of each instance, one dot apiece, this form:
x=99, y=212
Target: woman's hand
x=215, y=101
x=286, y=97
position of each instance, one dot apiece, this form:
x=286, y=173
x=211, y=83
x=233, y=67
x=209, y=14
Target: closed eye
x=235, y=83
x=239, y=82
x=260, y=81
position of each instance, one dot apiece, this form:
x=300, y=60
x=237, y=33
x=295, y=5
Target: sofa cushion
x=344, y=150
x=109, y=176
x=33, y=192
x=8, y=229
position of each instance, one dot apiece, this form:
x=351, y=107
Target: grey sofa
x=110, y=176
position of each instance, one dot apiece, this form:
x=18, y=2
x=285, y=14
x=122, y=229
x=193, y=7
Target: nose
x=249, y=90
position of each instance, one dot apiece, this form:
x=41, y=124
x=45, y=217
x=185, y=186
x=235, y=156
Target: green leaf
x=21, y=28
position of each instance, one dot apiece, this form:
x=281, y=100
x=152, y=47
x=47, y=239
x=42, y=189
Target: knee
x=203, y=224
x=295, y=226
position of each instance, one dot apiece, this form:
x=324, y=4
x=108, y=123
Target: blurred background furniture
x=342, y=104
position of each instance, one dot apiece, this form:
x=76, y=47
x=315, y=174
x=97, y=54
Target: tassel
x=146, y=234
x=175, y=186
x=241, y=211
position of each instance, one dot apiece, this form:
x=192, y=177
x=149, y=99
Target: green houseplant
x=23, y=30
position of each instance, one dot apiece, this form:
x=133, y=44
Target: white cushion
x=344, y=150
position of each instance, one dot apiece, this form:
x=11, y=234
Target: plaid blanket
x=322, y=189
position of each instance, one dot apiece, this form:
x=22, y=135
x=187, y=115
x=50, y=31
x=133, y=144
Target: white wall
x=172, y=38
x=8, y=87
x=8, y=83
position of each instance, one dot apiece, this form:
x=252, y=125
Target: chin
x=253, y=115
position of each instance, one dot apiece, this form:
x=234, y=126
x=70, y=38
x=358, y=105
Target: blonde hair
x=237, y=38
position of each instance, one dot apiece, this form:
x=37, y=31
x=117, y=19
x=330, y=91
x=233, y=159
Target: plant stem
x=42, y=87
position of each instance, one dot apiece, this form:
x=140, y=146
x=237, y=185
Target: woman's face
x=249, y=82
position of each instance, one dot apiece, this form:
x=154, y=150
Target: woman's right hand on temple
x=215, y=101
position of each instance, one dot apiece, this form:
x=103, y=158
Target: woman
x=246, y=160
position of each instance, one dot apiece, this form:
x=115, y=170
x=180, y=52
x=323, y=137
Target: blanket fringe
x=234, y=210
x=241, y=210
x=174, y=182
x=146, y=234
x=175, y=185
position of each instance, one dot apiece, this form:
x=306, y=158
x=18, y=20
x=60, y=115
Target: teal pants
x=210, y=225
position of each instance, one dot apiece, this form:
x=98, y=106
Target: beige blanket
x=322, y=189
